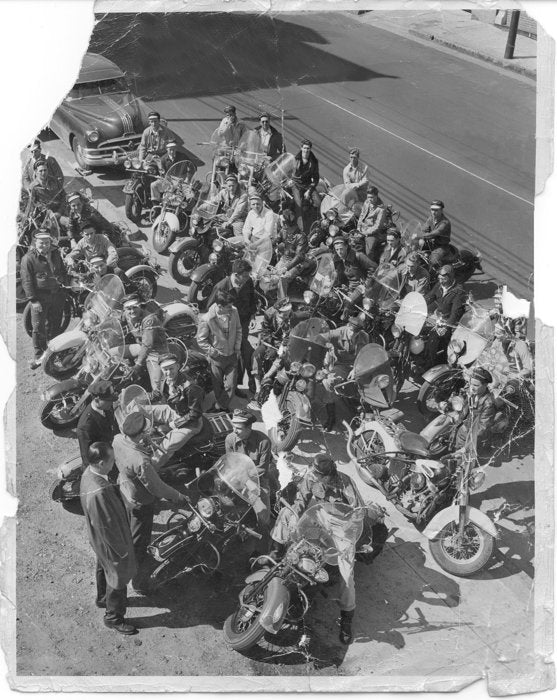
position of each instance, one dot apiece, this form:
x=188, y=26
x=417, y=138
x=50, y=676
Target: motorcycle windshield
x=239, y=474
x=178, y=171
x=386, y=286
x=335, y=528
x=493, y=359
x=50, y=224
x=325, y=276
x=108, y=343
x=208, y=203
x=132, y=399
x=374, y=377
x=260, y=259
x=342, y=198
x=412, y=313
x=474, y=329
x=250, y=150
x=281, y=169
x=410, y=235
x=106, y=298
x=306, y=344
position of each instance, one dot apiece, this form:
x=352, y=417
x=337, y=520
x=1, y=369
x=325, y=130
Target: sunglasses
x=442, y=276
x=264, y=121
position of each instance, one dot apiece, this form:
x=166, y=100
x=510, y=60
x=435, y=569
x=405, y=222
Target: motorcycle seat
x=205, y=435
x=413, y=443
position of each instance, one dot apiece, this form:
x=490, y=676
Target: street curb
x=502, y=63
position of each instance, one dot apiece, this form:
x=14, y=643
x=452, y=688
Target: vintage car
x=100, y=116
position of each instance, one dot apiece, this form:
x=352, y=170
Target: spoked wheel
x=64, y=322
x=57, y=414
x=163, y=237
x=146, y=283
x=182, y=263
x=199, y=292
x=286, y=436
x=462, y=556
x=242, y=630
x=203, y=556
x=63, y=364
x=431, y=393
x=133, y=208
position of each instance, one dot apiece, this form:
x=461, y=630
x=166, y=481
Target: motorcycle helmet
x=324, y=464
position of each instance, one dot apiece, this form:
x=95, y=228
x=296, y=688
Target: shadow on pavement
x=218, y=55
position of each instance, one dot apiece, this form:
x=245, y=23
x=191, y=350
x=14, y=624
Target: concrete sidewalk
x=457, y=30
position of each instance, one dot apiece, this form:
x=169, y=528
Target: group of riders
x=290, y=240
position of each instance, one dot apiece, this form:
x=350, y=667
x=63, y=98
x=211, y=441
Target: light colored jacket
x=214, y=339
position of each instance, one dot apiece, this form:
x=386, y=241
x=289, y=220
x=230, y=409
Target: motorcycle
x=469, y=339
x=325, y=535
x=408, y=343
x=251, y=161
x=137, y=189
x=190, y=252
x=177, y=203
x=220, y=511
x=285, y=406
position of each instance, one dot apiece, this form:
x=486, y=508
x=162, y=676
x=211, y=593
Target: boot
x=345, y=634
x=331, y=417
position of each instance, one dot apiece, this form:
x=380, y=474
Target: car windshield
x=100, y=87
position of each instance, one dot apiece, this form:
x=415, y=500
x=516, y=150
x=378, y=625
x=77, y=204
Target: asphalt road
x=413, y=619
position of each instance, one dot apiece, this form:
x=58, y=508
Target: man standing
x=140, y=486
x=373, y=223
x=240, y=285
x=393, y=253
x=42, y=277
x=46, y=190
x=110, y=536
x=97, y=422
x=479, y=410
x=171, y=157
x=292, y=248
x=270, y=138
x=91, y=245
x=231, y=129
x=355, y=173
x=154, y=137
x=220, y=337
x=437, y=233
x=36, y=155
x=233, y=203
x=81, y=214
x=275, y=329
x=259, y=228
x=305, y=178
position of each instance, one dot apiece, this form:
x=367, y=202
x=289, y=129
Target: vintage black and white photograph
x=280, y=381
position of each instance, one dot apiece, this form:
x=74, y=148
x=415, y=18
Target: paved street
x=428, y=128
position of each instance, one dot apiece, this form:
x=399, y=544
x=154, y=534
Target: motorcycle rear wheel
x=133, y=208
x=241, y=633
x=462, y=558
x=163, y=237
x=199, y=292
x=54, y=413
x=432, y=392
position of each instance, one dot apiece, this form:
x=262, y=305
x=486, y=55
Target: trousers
x=115, y=599
x=224, y=372
x=46, y=317
x=141, y=525
x=153, y=368
x=176, y=438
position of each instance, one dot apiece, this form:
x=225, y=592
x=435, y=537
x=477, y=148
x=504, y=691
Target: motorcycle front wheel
x=63, y=364
x=182, y=263
x=163, y=237
x=146, y=283
x=64, y=323
x=204, y=556
x=462, y=556
x=133, y=208
x=242, y=630
x=56, y=414
x=440, y=390
x=285, y=440
x=199, y=292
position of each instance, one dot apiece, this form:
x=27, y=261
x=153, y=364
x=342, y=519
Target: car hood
x=113, y=115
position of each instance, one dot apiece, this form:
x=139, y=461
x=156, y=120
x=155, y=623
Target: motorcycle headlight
x=213, y=259
x=416, y=346
x=367, y=304
x=195, y=219
x=301, y=385
x=194, y=525
x=456, y=346
x=457, y=402
x=295, y=367
x=93, y=136
x=309, y=297
x=137, y=164
x=308, y=370
x=417, y=481
x=477, y=478
x=396, y=331
x=206, y=507
x=127, y=164
x=383, y=381
x=218, y=245
x=307, y=565
x=243, y=171
x=321, y=576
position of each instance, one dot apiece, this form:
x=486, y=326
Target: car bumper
x=111, y=153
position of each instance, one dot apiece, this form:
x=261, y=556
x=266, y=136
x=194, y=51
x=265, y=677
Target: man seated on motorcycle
x=92, y=244
x=323, y=482
x=393, y=253
x=100, y=268
x=35, y=156
x=373, y=223
x=233, y=204
x=329, y=226
x=146, y=328
x=259, y=229
x=275, y=330
x=81, y=213
x=160, y=185
x=291, y=247
x=305, y=178
x=479, y=410
x=355, y=173
x=46, y=190
x=415, y=277
x=436, y=234
x=257, y=446
x=517, y=352
x=447, y=300
x=231, y=129
x=353, y=270
x=154, y=138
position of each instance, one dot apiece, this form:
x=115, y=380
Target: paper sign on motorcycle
x=324, y=277
x=412, y=313
x=305, y=343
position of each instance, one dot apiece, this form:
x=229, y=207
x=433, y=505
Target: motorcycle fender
x=131, y=186
x=257, y=576
x=170, y=218
x=70, y=466
x=177, y=246
x=199, y=274
x=451, y=514
x=432, y=374
x=68, y=340
x=60, y=387
x=141, y=268
x=177, y=309
x=301, y=404
x=275, y=607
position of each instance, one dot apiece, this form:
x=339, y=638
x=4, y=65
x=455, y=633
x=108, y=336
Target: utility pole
x=513, y=29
